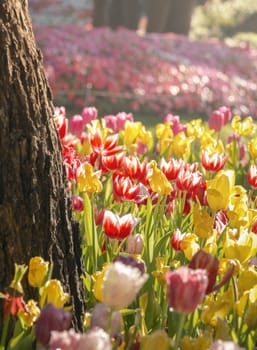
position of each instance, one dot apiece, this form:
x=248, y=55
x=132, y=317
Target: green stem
x=179, y=333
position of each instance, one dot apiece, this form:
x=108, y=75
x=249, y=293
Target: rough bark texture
x=35, y=212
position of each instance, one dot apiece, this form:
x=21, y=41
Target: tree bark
x=170, y=16
x=179, y=17
x=157, y=13
x=101, y=13
x=35, y=211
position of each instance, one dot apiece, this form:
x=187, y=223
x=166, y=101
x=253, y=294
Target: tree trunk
x=124, y=13
x=157, y=12
x=179, y=16
x=170, y=16
x=35, y=211
x=101, y=13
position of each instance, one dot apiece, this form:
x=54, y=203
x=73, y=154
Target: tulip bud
x=51, y=319
x=89, y=114
x=77, y=203
x=204, y=260
x=186, y=288
x=76, y=124
x=38, y=269
x=135, y=244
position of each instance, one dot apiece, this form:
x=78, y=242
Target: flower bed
x=168, y=226
x=157, y=73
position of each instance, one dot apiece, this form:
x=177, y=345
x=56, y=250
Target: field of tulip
x=169, y=237
x=147, y=74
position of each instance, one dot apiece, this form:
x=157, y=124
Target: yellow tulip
x=38, y=269
x=217, y=308
x=158, y=181
x=182, y=145
x=251, y=316
x=218, y=190
x=189, y=245
x=195, y=128
x=98, y=278
x=52, y=292
x=31, y=313
x=88, y=180
x=131, y=132
x=146, y=137
x=203, y=222
x=242, y=248
x=164, y=135
x=161, y=270
x=252, y=148
x=156, y=340
x=247, y=279
x=210, y=145
x=202, y=342
x=238, y=212
x=243, y=127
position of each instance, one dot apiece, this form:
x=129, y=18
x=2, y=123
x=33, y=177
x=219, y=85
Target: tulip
x=100, y=317
x=135, y=244
x=38, y=269
x=214, y=162
x=52, y=292
x=219, y=118
x=219, y=189
x=89, y=114
x=88, y=180
x=225, y=345
x=176, y=126
x=186, y=288
x=158, y=181
x=208, y=262
x=76, y=124
x=121, y=284
x=243, y=127
x=96, y=339
x=65, y=340
x=77, y=203
x=176, y=239
x=30, y=314
x=118, y=227
x=203, y=222
x=61, y=122
x=156, y=340
x=252, y=176
x=51, y=319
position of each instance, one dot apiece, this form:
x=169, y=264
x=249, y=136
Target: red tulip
x=171, y=168
x=118, y=227
x=135, y=169
x=208, y=262
x=176, y=239
x=252, y=176
x=213, y=162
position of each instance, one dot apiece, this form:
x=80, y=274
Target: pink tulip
x=76, y=125
x=186, y=288
x=51, y=319
x=89, y=114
